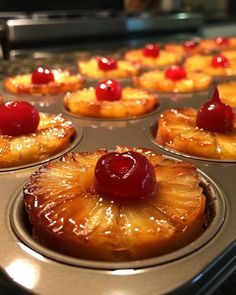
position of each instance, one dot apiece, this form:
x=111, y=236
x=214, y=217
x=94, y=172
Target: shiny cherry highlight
x=220, y=61
x=124, y=176
x=215, y=116
x=175, y=73
x=107, y=63
x=222, y=41
x=42, y=76
x=108, y=90
x=190, y=44
x=151, y=50
x=18, y=118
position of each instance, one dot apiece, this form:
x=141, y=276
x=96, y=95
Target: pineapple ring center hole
x=215, y=213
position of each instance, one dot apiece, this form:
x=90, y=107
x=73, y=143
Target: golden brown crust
x=125, y=69
x=177, y=130
x=134, y=102
x=165, y=58
x=54, y=134
x=203, y=64
x=68, y=216
x=64, y=81
x=155, y=80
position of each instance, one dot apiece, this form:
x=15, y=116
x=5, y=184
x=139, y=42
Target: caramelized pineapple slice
x=155, y=80
x=134, y=102
x=125, y=69
x=164, y=58
x=54, y=134
x=70, y=217
x=177, y=130
x=202, y=63
x=63, y=82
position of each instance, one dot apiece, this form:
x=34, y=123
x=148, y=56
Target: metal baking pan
x=198, y=268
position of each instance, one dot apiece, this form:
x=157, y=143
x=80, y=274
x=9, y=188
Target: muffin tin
x=197, y=268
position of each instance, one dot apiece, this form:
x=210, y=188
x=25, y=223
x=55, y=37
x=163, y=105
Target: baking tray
x=198, y=268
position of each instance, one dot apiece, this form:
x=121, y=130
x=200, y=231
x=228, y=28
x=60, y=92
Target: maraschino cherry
x=175, y=73
x=215, y=116
x=124, y=176
x=151, y=50
x=42, y=76
x=107, y=63
x=108, y=90
x=220, y=61
x=190, y=44
x=222, y=41
x=18, y=118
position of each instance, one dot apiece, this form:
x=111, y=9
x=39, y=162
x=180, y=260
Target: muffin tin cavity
x=215, y=212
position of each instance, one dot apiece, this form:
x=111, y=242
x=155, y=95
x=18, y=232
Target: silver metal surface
x=195, y=269
x=22, y=30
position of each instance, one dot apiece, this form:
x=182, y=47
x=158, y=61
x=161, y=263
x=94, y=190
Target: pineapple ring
x=53, y=135
x=155, y=80
x=227, y=92
x=202, y=63
x=177, y=130
x=210, y=45
x=165, y=58
x=124, y=69
x=68, y=216
x=133, y=102
x=63, y=82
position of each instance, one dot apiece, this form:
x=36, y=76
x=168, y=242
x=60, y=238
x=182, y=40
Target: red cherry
x=151, y=50
x=220, y=61
x=215, y=116
x=190, y=44
x=107, y=63
x=108, y=90
x=222, y=41
x=18, y=118
x=42, y=76
x=125, y=176
x=175, y=73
